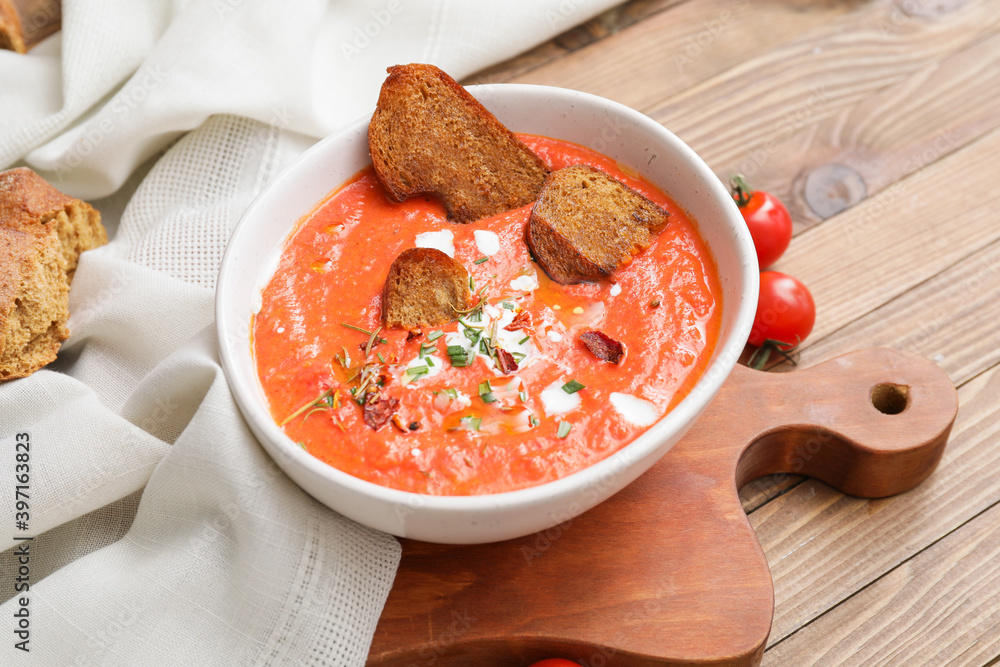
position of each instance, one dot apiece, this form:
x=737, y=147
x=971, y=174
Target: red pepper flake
x=521, y=321
x=505, y=361
x=378, y=410
x=603, y=346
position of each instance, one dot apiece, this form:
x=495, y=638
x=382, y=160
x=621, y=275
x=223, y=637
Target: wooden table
x=878, y=123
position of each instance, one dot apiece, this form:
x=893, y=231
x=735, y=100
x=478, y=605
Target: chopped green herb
x=508, y=305
x=486, y=392
x=572, y=387
x=518, y=356
x=482, y=260
x=351, y=326
x=459, y=357
x=417, y=371
x=452, y=392
x=380, y=357
x=533, y=420
x=471, y=423
x=524, y=340
x=523, y=395
x=434, y=335
x=564, y=429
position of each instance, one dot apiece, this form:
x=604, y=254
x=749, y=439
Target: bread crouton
x=42, y=233
x=586, y=224
x=429, y=135
x=425, y=287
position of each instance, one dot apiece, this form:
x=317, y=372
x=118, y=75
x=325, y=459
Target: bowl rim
x=283, y=449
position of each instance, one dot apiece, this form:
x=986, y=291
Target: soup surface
x=460, y=425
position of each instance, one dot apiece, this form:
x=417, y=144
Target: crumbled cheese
x=442, y=240
x=280, y=329
x=635, y=410
x=554, y=336
x=525, y=283
x=616, y=289
x=487, y=242
x=578, y=310
x=556, y=401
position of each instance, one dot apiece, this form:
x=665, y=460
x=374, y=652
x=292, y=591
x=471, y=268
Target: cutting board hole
x=889, y=398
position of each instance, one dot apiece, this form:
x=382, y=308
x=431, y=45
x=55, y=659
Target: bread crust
x=11, y=34
x=424, y=287
x=42, y=233
x=428, y=135
x=29, y=202
x=586, y=224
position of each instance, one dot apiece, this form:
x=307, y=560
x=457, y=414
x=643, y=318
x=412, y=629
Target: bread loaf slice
x=429, y=135
x=34, y=296
x=587, y=224
x=42, y=233
x=28, y=201
x=425, y=287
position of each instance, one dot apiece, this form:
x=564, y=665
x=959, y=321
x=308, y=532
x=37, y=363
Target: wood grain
x=674, y=50
x=828, y=166
x=831, y=545
x=950, y=318
x=936, y=605
x=590, y=32
x=885, y=235
x=759, y=104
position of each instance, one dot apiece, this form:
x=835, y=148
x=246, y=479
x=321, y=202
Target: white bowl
x=606, y=126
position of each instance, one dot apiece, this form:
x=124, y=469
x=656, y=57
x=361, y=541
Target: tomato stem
x=758, y=360
x=741, y=190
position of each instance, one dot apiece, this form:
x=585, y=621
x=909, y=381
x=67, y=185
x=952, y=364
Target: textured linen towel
x=162, y=532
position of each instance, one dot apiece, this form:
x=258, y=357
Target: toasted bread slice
x=586, y=224
x=425, y=287
x=42, y=233
x=429, y=135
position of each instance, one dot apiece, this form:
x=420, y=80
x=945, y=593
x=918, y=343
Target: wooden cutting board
x=669, y=571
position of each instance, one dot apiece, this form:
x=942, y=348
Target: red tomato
x=786, y=311
x=555, y=662
x=767, y=219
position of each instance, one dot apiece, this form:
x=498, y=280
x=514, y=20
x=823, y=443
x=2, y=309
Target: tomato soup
x=459, y=425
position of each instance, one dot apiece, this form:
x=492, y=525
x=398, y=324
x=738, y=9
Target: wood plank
x=889, y=243
x=828, y=166
x=823, y=546
x=590, y=32
x=673, y=50
x=938, y=608
x=739, y=118
x=951, y=319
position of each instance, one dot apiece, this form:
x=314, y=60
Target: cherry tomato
x=555, y=662
x=786, y=311
x=767, y=219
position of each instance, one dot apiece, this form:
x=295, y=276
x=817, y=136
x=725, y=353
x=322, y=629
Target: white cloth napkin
x=162, y=532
